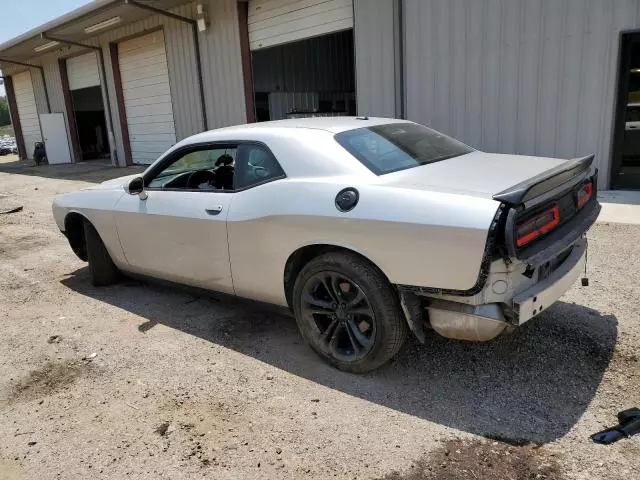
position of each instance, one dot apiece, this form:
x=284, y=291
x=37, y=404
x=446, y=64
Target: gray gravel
x=183, y=386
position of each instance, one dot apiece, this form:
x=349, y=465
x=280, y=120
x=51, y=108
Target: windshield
x=398, y=146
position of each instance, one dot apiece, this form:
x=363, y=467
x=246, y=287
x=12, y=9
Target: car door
x=176, y=228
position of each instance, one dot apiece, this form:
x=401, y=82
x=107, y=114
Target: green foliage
x=6, y=130
x=5, y=119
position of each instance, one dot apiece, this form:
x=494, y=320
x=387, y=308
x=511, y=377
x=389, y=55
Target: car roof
x=321, y=156
x=329, y=124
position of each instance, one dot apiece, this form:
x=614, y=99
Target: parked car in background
x=8, y=145
x=365, y=228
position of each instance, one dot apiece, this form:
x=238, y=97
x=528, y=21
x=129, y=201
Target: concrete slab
x=620, y=206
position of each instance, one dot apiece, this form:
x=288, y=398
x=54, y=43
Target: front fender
x=96, y=205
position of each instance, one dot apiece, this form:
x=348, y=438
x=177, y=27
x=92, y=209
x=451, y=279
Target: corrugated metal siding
x=182, y=71
x=518, y=76
x=38, y=90
x=82, y=71
x=54, y=85
x=275, y=22
x=376, y=49
x=147, y=96
x=222, y=65
x=27, y=110
x=36, y=79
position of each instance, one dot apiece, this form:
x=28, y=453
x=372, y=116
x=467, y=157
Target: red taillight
x=584, y=194
x=538, y=225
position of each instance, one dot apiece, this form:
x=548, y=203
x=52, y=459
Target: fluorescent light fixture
x=46, y=46
x=101, y=25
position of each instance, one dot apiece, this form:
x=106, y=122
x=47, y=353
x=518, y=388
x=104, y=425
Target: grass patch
x=6, y=130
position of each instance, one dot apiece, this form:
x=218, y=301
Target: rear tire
x=348, y=312
x=103, y=270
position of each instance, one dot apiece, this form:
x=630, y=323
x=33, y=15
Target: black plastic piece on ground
x=585, y=282
x=629, y=425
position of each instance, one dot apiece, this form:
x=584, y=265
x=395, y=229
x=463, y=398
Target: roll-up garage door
x=83, y=71
x=27, y=111
x=147, y=96
x=274, y=22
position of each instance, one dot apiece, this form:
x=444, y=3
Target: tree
x=5, y=118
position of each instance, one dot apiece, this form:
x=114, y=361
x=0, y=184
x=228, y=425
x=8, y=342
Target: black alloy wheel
x=348, y=312
x=339, y=309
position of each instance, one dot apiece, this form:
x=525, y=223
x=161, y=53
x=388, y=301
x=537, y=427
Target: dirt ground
x=145, y=381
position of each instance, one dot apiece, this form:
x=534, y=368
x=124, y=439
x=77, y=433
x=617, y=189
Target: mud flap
x=411, y=307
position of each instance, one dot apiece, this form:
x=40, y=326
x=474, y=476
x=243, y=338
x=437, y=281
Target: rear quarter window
x=398, y=146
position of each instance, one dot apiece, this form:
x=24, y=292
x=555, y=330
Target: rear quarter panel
x=415, y=237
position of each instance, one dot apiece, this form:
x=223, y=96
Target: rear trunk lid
x=476, y=174
x=525, y=187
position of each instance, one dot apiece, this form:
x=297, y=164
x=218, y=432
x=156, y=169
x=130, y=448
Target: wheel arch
x=74, y=231
x=306, y=253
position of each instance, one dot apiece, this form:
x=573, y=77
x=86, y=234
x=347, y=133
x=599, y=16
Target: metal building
x=540, y=77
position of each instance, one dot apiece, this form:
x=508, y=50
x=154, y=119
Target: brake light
x=537, y=226
x=584, y=194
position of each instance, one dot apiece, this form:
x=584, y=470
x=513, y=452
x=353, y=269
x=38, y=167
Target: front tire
x=103, y=270
x=348, y=312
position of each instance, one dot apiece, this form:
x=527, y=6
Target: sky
x=19, y=16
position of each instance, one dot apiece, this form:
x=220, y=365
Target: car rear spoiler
x=544, y=182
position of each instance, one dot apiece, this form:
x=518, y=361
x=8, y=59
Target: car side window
x=201, y=169
x=255, y=165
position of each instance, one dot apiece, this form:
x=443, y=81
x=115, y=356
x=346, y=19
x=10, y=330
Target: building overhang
x=82, y=25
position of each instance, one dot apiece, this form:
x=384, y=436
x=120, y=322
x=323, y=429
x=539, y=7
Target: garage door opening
x=91, y=125
x=314, y=77
x=86, y=102
x=625, y=166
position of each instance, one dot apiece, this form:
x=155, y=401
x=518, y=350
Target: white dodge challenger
x=365, y=228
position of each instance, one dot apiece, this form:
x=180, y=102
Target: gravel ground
x=145, y=381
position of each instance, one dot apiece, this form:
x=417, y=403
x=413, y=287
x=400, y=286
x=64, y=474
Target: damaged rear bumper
x=483, y=321
x=543, y=294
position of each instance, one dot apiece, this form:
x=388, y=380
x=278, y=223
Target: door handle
x=214, y=211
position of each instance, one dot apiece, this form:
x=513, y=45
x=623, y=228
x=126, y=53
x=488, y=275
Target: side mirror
x=135, y=186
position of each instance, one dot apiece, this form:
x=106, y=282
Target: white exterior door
x=56, y=142
x=83, y=72
x=147, y=96
x=27, y=110
x=274, y=22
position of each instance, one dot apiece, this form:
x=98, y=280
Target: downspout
x=196, y=42
x=103, y=80
x=44, y=82
x=398, y=22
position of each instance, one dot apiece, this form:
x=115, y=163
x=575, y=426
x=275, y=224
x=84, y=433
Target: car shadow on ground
x=94, y=171
x=530, y=386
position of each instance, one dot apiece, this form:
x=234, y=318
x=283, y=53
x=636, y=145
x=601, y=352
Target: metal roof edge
x=57, y=22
